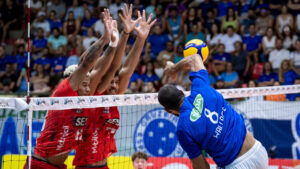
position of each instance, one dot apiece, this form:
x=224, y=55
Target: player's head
x=84, y=86
x=139, y=160
x=171, y=98
x=114, y=86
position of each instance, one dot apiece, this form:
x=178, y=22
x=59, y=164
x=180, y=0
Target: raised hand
x=107, y=21
x=114, y=29
x=128, y=23
x=144, y=26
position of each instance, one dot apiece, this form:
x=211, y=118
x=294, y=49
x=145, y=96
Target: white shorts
x=255, y=158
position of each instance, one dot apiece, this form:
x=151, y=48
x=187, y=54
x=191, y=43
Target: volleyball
x=196, y=46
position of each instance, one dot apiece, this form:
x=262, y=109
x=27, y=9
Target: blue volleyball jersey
x=207, y=122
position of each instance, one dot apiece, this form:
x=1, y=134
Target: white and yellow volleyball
x=196, y=46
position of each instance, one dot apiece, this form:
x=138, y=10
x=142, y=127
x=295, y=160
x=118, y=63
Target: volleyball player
x=207, y=122
x=62, y=130
x=100, y=145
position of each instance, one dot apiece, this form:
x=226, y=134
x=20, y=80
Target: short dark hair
x=170, y=97
x=139, y=155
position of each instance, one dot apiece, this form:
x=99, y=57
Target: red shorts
x=99, y=142
x=38, y=164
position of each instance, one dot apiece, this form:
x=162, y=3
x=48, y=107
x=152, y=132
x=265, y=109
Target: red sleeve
x=64, y=89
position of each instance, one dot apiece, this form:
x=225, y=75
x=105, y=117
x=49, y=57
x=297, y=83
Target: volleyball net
x=145, y=126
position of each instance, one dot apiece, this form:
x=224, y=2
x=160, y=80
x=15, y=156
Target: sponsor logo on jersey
x=80, y=121
x=198, y=107
x=155, y=134
x=95, y=141
x=61, y=141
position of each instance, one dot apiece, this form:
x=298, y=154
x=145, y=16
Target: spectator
x=10, y=14
x=179, y=53
x=276, y=6
x=44, y=60
x=297, y=24
x=284, y=19
x=295, y=97
x=137, y=5
x=230, y=77
x=252, y=43
x=252, y=84
x=59, y=62
x=158, y=40
x=278, y=54
x=190, y=21
x=231, y=19
x=88, y=22
x=139, y=160
x=89, y=39
x=150, y=9
x=35, y=6
x=294, y=7
x=214, y=38
x=220, y=60
x=195, y=34
x=8, y=80
x=208, y=5
x=21, y=84
x=268, y=42
x=220, y=83
x=268, y=77
x=229, y=39
x=54, y=22
x=246, y=21
x=99, y=27
x=149, y=88
x=289, y=38
x=295, y=56
x=175, y=24
x=39, y=43
x=20, y=60
x=166, y=55
x=4, y=58
x=59, y=7
x=241, y=60
x=55, y=41
x=115, y=7
x=160, y=19
x=210, y=20
x=149, y=75
x=40, y=80
x=287, y=75
x=264, y=21
x=223, y=5
x=77, y=11
x=243, y=6
x=71, y=26
x=41, y=22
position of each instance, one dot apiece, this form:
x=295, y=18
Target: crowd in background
x=252, y=42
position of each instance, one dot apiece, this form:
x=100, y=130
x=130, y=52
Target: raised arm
x=89, y=57
x=129, y=25
x=133, y=57
x=104, y=62
x=192, y=63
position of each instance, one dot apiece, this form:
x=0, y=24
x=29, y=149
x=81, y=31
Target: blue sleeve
x=199, y=79
x=187, y=143
x=276, y=77
x=236, y=76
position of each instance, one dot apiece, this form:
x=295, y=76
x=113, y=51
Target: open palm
x=107, y=21
x=144, y=26
x=126, y=15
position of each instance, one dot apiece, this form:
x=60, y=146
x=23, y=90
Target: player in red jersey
x=93, y=153
x=62, y=130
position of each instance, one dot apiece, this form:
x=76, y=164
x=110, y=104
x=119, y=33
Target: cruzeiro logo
x=155, y=134
x=198, y=107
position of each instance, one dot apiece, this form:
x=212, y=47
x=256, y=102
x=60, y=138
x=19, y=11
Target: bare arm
x=129, y=25
x=134, y=54
x=200, y=162
x=90, y=56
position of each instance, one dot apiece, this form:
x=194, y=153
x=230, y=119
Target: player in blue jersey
x=207, y=122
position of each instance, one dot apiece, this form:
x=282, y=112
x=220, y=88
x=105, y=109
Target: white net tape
x=62, y=103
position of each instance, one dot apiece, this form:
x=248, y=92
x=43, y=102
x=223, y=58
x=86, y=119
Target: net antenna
x=29, y=117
